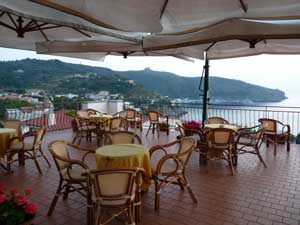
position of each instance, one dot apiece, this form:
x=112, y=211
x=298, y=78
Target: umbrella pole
x=205, y=88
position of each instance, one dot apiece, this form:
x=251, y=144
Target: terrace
x=255, y=195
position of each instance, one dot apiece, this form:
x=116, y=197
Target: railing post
x=206, y=88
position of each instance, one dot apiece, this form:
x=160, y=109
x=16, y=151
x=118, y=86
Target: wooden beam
x=225, y=38
x=12, y=20
x=7, y=26
x=42, y=32
x=244, y=6
x=163, y=8
x=82, y=32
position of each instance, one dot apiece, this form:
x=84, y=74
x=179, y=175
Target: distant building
x=69, y=95
x=19, y=71
x=131, y=82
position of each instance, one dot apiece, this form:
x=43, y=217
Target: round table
x=217, y=125
x=125, y=155
x=100, y=118
x=5, y=135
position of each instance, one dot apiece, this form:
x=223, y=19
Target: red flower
x=13, y=191
x=2, y=198
x=30, y=208
x=27, y=191
x=1, y=188
x=21, y=199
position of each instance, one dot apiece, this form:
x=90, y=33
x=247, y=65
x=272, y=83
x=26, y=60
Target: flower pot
x=163, y=127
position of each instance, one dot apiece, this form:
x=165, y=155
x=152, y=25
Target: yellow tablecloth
x=217, y=125
x=125, y=155
x=5, y=135
x=101, y=118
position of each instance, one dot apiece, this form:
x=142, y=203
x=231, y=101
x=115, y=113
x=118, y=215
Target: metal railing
x=244, y=115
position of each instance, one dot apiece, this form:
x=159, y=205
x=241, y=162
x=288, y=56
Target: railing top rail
x=256, y=106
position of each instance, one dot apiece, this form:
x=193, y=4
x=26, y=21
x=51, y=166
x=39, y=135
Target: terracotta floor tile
x=255, y=195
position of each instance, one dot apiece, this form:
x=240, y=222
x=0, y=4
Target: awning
x=95, y=28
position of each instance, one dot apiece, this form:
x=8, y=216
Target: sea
x=287, y=111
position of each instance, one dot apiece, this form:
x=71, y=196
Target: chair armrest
x=11, y=140
x=86, y=150
x=166, y=158
x=288, y=128
x=29, y=134
x=157, y=148
x=73, y=162
x=162, y=147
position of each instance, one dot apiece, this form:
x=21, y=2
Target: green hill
x=57, y=77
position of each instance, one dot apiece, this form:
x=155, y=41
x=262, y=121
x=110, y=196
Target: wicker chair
x=27, y=150
x=220, y=144
x=14, y=124
x=83, y=113
x=114, y=124
x=276, y=132
x=114, y=194
x=122, y=137
x=197, y=134
x=134, y=118
x=84, y=129
x=169, y=166
x=249, y=140
x=216, y=120
x=155, y=118
x=72, y=173
x=94, y=112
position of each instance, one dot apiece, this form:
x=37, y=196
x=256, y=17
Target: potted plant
x=163, y=126
x=15, y=209
x=192, y=124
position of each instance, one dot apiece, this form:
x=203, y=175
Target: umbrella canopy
x=230, y=38
x=95, y=28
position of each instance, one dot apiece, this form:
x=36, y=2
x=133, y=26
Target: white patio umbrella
x=180, y=28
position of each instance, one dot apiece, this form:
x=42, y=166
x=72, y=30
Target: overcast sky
x=282, y=72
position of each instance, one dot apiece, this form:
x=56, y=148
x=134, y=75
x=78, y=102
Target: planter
x=189, y=126
x=163, y=127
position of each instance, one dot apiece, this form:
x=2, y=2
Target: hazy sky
x=282, y=72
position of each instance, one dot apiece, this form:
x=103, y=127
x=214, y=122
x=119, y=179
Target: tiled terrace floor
x=255, y=195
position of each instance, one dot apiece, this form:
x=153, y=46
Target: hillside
x=57, y=77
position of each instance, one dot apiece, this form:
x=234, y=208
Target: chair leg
x=45, y=158
x=157, y=195
x=260, y=158
x=21, y=158
x=130, y=214
x=231, y=163
x=36, y=162
x=8, y=163
x=66, y=192
x=188, y=188
x=74, y=139
x=149, y=129
x=56, y=197
x=288, y=143
x=181, y=184
x=275, y=146
x=38, y=166
x=138, y=206
x=141, y=126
